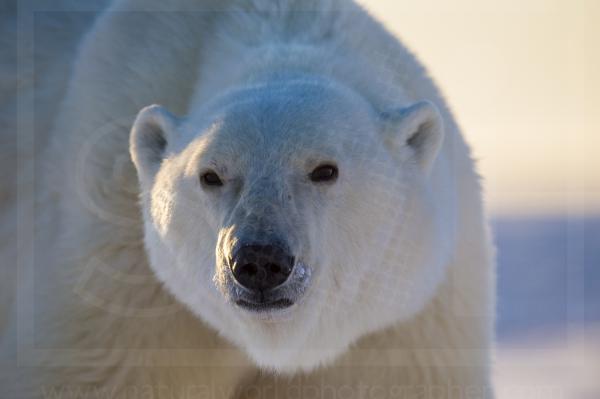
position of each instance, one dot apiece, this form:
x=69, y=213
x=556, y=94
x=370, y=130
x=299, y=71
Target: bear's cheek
x=161, y=211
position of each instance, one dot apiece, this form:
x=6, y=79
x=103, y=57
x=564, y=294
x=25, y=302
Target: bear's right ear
x=152, y=130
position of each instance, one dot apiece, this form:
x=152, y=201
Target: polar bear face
x=291, y=216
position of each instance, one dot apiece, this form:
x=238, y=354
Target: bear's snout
x=260, y=268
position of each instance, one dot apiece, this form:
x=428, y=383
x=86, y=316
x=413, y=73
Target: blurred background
x=523, y=79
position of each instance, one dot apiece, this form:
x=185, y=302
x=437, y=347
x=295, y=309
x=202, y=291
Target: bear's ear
x=152, y=130
x=418, y=127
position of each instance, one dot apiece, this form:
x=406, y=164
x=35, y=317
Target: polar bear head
x=291, y=215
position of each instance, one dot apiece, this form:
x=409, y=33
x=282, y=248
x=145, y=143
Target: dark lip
x=265, y=306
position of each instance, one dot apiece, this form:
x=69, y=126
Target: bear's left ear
x=418, y=127
x=152, y=130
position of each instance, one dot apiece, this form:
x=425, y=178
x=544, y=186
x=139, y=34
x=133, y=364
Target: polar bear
x=299, y=217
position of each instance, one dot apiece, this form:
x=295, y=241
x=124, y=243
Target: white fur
x=123, y=279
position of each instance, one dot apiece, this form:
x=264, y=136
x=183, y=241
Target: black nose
x=261, y=267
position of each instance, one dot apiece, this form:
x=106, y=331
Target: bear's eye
x=210, y=178
x=324, y=173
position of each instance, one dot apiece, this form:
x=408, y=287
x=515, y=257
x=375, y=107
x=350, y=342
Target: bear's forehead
x=298, y=113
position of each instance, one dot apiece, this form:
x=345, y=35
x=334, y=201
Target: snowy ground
x=549, y=308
